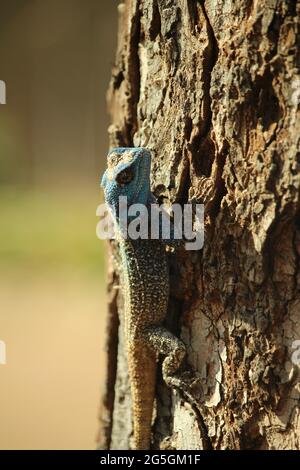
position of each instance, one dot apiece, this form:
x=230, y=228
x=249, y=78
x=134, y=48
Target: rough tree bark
x=212, y=89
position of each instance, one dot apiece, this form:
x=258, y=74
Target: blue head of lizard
x=127, y=174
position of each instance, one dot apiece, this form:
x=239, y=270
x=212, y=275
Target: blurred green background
x=55, y=58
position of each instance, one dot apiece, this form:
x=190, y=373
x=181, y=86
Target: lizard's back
x=146, y=281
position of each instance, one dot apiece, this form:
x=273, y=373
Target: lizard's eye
x=124, y=177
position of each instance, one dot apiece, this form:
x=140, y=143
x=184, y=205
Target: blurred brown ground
x=53, y=329
x=55, y=57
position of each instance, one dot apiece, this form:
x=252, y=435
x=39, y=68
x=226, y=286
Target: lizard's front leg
x=142, y=370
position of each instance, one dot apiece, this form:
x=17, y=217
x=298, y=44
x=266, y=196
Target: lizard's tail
x=142, y=370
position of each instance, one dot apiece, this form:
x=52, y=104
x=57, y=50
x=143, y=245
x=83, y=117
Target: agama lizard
x=145, y=283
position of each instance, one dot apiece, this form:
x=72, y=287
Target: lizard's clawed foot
x=188, y=386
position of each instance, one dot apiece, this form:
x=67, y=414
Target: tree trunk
x=212, y=89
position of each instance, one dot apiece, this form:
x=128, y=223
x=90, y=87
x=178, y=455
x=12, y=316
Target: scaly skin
x=145, y=283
